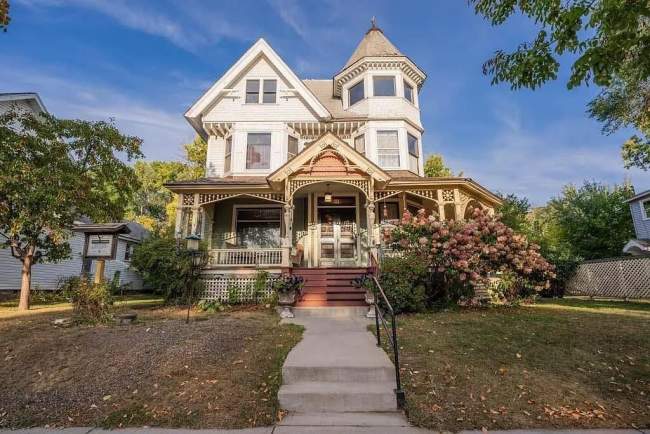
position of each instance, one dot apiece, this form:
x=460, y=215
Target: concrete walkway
x=298, y=430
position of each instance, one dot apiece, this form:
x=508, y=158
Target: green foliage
x=592, y=221
x=514, y=212
x=4, y=15
x=434, y=167
x=167, y=267
x=259, y=286
x=234, y=296
x=403, y=280
x=92, y=302
x=212, y=306
x=610, y=46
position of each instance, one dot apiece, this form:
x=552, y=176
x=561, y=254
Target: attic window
x=270, y=90
x=252, y=91
x=383, y=85
x=408, y=92
x=356, y=93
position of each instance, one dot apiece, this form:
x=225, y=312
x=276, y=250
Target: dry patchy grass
x=567, y=363
x=220, y=371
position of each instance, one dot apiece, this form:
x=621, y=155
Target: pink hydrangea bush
x=462, y=255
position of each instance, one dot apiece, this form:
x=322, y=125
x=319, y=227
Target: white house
x=301, y=174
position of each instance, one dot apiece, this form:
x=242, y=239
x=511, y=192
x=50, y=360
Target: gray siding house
x=640, y=209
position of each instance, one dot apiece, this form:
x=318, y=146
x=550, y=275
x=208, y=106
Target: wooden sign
x=100, y=246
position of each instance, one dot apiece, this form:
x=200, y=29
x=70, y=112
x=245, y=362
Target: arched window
x=471, y=206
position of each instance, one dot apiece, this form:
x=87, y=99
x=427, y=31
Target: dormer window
x=269, y=93
x=408, y=92
x=356, y=93
x=383, y=85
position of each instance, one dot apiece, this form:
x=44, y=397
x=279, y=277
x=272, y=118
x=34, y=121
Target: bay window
x=408, y=92
x=383, y=85
x=258, y=151
x=356, y=93
x=413, y=152
x=388, y=149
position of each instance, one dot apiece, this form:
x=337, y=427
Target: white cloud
x=163, y=131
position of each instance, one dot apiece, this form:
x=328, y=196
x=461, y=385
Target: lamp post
x=195, y=256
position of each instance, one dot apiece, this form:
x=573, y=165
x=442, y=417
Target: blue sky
x=143, y=63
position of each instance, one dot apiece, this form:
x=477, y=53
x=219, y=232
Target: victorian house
x=301, y=174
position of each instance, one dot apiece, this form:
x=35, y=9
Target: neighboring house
x=49, y=275
x=302, y=173
x=640, y=209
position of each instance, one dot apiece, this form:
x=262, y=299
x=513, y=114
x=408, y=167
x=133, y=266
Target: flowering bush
x=462, y=255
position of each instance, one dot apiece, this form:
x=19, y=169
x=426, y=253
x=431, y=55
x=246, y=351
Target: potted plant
x=366, y=283
x=288, y=287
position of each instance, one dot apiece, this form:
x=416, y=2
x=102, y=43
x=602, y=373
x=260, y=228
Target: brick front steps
x=330, y=287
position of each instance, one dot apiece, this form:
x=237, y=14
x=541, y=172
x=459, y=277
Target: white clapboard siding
x=232, y=107
x=49, y=275
x=641, y=225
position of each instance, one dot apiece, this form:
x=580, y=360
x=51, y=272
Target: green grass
x=560, y=363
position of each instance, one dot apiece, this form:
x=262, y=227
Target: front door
x=338, y=237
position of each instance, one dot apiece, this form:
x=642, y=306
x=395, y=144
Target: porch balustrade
x=251, y=257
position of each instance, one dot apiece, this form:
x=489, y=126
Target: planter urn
x=286, y=300
x=370, y=301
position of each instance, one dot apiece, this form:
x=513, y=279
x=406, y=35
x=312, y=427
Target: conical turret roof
x=373, y=44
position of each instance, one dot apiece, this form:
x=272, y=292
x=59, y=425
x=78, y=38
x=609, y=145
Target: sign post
x=101, y=244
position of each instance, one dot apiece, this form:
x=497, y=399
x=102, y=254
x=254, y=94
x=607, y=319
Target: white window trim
x=257, y=170
x=233, y=222
x=260, y=91
x=363, y=85
x=399, y=146
x=643, y=213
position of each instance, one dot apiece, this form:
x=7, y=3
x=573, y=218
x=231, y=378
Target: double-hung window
x=268, y=95
x=360, y=144
x=228, y=157
x=356, y=93
x=258, y=227
x=388, y=149
x=413, y=152
x=383, y=85
x=292, y=147
x=258, y=151
x=645, y=205
x=408, y=92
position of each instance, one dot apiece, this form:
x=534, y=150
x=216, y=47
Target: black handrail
x=391, y=335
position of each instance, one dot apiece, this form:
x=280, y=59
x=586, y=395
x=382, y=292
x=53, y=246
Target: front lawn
x=561, y=363
x=220, y=371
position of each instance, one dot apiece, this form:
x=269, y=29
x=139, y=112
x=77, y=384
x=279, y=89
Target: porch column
x=195, y=215
x=441, y=206
x=370, y=216
x=457, y=204
x=288, y=233
x=179, y=216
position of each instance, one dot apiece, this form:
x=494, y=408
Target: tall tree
x=4, y=15
x=610, y=42
x=514, y=212
x=593, y=220
x=434, y=167
x=53, y=172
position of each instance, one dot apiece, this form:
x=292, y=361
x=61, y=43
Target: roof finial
x=373, y=21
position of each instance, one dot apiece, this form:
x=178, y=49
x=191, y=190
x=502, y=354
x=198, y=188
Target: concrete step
x=330, y=312
x=351, y=419
x=338, y=397
x=341, y=374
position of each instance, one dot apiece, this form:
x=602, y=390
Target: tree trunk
x=25, y=286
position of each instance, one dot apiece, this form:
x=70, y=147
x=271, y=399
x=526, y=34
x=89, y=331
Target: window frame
x=644, y=213
x=270, y=145
x=374, y=89
x=227, y=157
x=290, y=154
x=128, y=251
x=380, y=211
x=408, y=85
x=417, y=143
x=363, y=92
x=265, y=92
x=397, y=148
x=247, y=92
x=235, y=212
x=354, y=143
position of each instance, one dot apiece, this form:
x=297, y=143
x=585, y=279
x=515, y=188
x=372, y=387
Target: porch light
x=193, y=242
x=328, y=195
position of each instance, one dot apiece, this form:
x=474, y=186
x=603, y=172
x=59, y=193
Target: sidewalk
x=303, y=429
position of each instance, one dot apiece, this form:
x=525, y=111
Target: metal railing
x=391, y=333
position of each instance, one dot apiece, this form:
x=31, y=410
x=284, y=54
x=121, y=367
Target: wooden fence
x=615, y=277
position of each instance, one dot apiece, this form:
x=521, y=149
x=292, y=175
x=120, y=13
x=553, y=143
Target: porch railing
x=257, y=257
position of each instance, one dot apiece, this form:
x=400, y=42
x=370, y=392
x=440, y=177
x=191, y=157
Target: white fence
x=235, y=288
x=616, y=278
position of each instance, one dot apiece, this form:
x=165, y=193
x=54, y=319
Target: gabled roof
x=323, y=91
x=258, y=49
x=373, y=44
x=32, y=99
x=639, y=196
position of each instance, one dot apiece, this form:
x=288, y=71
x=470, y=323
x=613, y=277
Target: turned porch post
x=288, y=233
x=178, y=229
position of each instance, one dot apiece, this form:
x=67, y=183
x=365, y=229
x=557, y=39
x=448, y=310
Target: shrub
x=463, y=254
x=167, y=267
x=92, y=302
x=211, y=306
x=403, y=279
